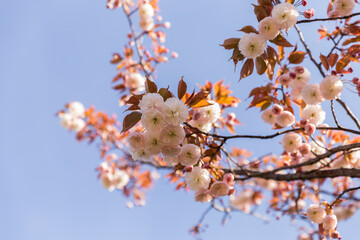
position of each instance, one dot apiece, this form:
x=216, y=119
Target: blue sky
x=53, y=52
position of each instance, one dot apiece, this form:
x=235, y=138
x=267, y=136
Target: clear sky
x=53, y=52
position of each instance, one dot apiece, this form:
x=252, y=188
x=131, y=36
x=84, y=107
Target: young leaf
x=260, y=65
x=281, y=41
x=342, y=63
x=150, y=86
x=333, y=59
x=230, y=43
x=247, y=68
x=324, y=61
x=130, y=120
x=165, y=93
x=182, y=87
x=296, y=57
x=249, y=29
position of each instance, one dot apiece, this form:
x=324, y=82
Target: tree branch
x=327, y=19
x=349, y=112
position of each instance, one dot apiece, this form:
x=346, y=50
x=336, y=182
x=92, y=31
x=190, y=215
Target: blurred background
x=53, y=52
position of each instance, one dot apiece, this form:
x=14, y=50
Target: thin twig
x=327, y=19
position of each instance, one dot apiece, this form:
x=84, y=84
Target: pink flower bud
x=159, y=18
x=305, y=149
x=355, y=80
x=205, y=165
x=167, y=25
x=188, y=168
x=333, y=72
x=277, y=109
x=330, y=222
x=174, y=55
x=323, y=131
x=350, y=70
x=304, y=122
x=309, y=13
x=335, y=234
x=299, y=69
x=219, y=189
x=231, y=191
x=228, y=178
x=310, y=129
x=203, y=196
x=292, y=75
x=304, y=3
x=231, y=116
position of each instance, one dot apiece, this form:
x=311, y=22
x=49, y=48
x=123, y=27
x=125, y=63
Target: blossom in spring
x=252, y=45
x=268, y=116
x=311, y=94
x=171, y=151
x=197, y=179
x=146, y=11
x=305, y=149
x=203, y=195
x=153, y=143
x=146, y=24
x=331, y=87
x=300, y=76
x=309, y=13
x=344, y=7
x=153, y=120
x=284, y=79
x=172, y=135
x=107, y=181
x=66, y=120
x=120, y=179
x=291, y=142
x=209, y=113
x=268, y=28
x=330, y=222
x=77, y=124
x=140, y=154
x=242, y=201
x=189, y=155
x=317, y=147
x=175, y=112
x=309, y=129
x=345, y=212
x=277, y=109
x=314, y=113
x=76, y=109
x=136, y=81
x=136, y=140
x=316, y=213
x=219, y=189
x=285, y=119
x=285, y=15
x=204, y=127
x=151, y=101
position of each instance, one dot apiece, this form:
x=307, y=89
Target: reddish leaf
x=247, y=69
x=351, y=40
x=130, y=120
x=333, y=59
x=201, y=103
x=182, y=87
x=324, y=61
x=237, y=56
x=197, y=98
x=249, y=29
x=150, y=86
x=260, y=65
x=265, y=3
x=342, y=63
x=119, y=87
x=132, y=108
x=296, y=57
x=165, y=93
x=281, y=41
x=260, y=12
x=133, y=100
x=230, y=43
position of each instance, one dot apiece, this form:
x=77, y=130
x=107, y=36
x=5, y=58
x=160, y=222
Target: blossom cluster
x=204, y=117
x=146, y=14
x=73, y=119
x=342, y=8
x=111, y=178
x=318, y=214
x=284, y=16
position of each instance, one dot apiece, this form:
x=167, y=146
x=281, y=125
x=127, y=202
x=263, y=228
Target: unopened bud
x=304, y=149
x=309, y=13
x=228, y=178
x=231, y=191
x=304, y=3
x=188, y=168
x=335, y=234
x=167, y=25
x=277, y=109
x=292, y=75
x=310, y=129
x=334, y=73
x=304, y=122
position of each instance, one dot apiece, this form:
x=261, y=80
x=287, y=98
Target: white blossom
x=314, y=113
x=66, y=120
x=136, y=140
x=77, y=124
x=153, y=120
x=197, y=179
x=268, y=28
x=153, y=142
x=76, y=109
x=285, y=119
x=300, y=76
x=285, y=15
x=242, y=201
x=171, y=152
x=152, y=101
x=120, y=179
x=344, y=7
x=291, y=142
x=219, y=189
x=296, y=93
x=252, y=45
x=140, y=154
x=172, y=135
x=189, y=155
x=146, y=11
x=107, y=181
x=146, y=24
x=330, y=222
x=136, y=81
x=311, y=94
x=210, y=113
x=316, y=213
x=268, y=116
x=204, y=127
x=331, y=87
x=175, y=112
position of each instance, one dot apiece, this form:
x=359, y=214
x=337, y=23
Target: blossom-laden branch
x=328, y=19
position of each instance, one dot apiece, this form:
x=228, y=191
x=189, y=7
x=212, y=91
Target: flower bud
x=335, y=234
x=304, y=122
x=231, y=191
x=188, y=168
x=330, y=222
x=305, y=149
x=219, y=189
x=277, y=109
x=309, y=13
x=228, y=178
x=310, y=129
